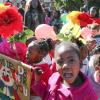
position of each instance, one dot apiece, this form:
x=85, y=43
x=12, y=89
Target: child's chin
x=69, y=81
x=97, y=80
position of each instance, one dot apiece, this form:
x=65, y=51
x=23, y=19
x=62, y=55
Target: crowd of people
x=63, y=70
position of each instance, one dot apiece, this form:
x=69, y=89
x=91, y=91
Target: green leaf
x=22, y=37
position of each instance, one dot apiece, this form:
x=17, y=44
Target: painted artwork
x=15, y=78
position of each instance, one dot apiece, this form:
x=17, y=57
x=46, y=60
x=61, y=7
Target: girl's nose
x=66, y=66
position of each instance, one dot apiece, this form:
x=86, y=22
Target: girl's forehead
x=64, y=49
x=33, y=48
x=66, y=54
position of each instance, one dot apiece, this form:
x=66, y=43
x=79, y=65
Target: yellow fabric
x=71, y=28
x=73, y=17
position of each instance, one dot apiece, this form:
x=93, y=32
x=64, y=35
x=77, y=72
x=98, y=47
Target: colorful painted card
x=15, y=79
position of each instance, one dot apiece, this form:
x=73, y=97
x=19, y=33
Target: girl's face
x=68, y=65
x=32, y=55
x=97, y=74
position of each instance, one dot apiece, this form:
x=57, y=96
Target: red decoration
x=10, y=22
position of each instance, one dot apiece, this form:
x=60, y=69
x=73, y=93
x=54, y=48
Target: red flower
x=10, y=22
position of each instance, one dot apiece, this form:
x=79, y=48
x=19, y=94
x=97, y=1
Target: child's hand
x=38, y=72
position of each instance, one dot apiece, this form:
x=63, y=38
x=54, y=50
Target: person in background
x=84, y=57
x=55, y=21
x=95, y=31
x=95, y=76
x=34, y=14
x=63, y=10
x=22, y=9
x=84, y=8
x=69, y=82
x=94, y=52
x=37, y=56
x=94, y=14
x=47, y=16
x=89, y=18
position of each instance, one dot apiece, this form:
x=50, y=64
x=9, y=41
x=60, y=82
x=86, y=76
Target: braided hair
x=45, y=45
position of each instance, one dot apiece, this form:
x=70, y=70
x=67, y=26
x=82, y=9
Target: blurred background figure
x=55, y=21
x=22, y=8
x=34, y=14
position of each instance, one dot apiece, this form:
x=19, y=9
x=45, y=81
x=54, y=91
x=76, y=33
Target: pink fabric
x=6, y=49
x=55, y=91
x=47, y=19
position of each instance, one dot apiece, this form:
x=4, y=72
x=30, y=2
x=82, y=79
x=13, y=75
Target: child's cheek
x=97, y=76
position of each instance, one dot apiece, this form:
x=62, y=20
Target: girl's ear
x=83, y=52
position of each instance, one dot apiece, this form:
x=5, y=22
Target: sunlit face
x=97, y=74
x=68, y=65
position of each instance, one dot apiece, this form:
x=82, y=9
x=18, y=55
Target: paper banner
x=15, y=78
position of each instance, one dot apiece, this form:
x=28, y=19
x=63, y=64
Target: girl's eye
x=71, y=61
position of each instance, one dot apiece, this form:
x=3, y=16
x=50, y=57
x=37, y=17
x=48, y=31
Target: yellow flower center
x=3, y=8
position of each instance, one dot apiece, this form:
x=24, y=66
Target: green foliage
x=70, y=4
x=66, y=37
x=22, y=37
x=96, y=3
x=70, y=33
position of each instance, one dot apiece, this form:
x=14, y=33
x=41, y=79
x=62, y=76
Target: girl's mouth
x=67, y=75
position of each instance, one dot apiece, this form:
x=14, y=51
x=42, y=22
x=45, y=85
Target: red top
x=55, y=90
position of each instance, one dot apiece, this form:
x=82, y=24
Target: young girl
x=95, y=31
x=37, y=56
x=95, y=76
x=68, y=83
